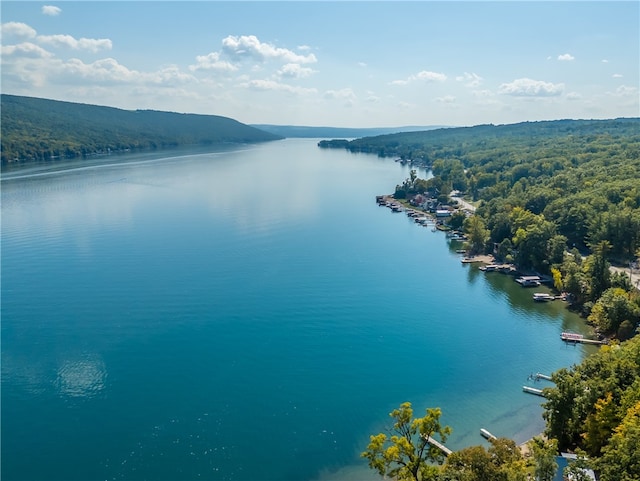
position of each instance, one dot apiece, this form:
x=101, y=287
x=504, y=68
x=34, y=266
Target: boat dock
x=542, y=376
x=533, y=390
x=438, y=445
x=573, y=337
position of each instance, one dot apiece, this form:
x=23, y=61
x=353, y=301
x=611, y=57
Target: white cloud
x=447, y=99
x=470, y=79
x=483, y=93
x=212, y=61
x=17, y=29
x=51, y=10
x=362, y=64
x=604, y=60
x=25, y=49
x=617, y=75
x=429, y=76
x=294, y=70
x=567, y=57
x=67, y=41
x=171, y=75
x=424, y=75
x=526, y=87
x=574, y=96
x=250, y=46
x=624, y=91
x=345, y=93
x=272, y=85
x=104, y=70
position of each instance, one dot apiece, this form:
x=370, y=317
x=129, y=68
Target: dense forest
x=41, y=129
x=559, y=198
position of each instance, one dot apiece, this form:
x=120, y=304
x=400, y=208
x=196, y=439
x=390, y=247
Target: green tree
x=544, y=457
x=407, y=453
x=597, y=269
x=621, y=458
x=478, y=235
x=613, y=308
x=503, y=461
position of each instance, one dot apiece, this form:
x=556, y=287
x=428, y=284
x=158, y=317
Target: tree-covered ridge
x=560, y=198
x=41, y=129
x=483, y=142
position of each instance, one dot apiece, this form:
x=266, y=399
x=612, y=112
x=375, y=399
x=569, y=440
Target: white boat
x=543, y=297
x=528, y=281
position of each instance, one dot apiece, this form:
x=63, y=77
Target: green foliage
x=621, y=458
x=580, y=177
x=478, y=235
x=590, y=400
x=503, y=461
x=40, y=129
x=614, y=307
x=544, y=457
x=406, y=454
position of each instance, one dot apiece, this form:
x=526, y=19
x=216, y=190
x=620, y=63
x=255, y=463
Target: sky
x=343, y=64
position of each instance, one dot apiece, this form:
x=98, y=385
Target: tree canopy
x=406, y=454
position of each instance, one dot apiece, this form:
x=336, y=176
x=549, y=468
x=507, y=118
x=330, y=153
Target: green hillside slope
x=41, y=129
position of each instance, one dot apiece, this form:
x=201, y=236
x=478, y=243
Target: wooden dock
x=533, y=390
x=439, y=445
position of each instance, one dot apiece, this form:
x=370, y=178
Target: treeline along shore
x=560, y=199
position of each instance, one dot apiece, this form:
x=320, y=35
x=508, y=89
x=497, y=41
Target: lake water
x=247, y=314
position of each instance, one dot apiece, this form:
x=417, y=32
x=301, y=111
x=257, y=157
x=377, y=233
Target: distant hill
x=293, y=131
x=488, y=140
x=42, y=129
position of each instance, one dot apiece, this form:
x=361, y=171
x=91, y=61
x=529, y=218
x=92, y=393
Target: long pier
x=439, y=445
x=533, y=390
x=572, y=337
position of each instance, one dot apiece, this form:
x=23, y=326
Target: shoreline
x=486, y=259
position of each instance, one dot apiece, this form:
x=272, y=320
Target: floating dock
x=439, y=445
x=543, y=376
x=533, y=390
x=486, y=434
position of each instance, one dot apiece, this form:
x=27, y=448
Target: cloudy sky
x=346, y=64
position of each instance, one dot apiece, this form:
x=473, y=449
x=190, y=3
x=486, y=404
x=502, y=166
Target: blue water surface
x=245, y=314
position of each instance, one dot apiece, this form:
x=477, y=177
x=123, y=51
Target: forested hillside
x=559, y=198
x=41, y=129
